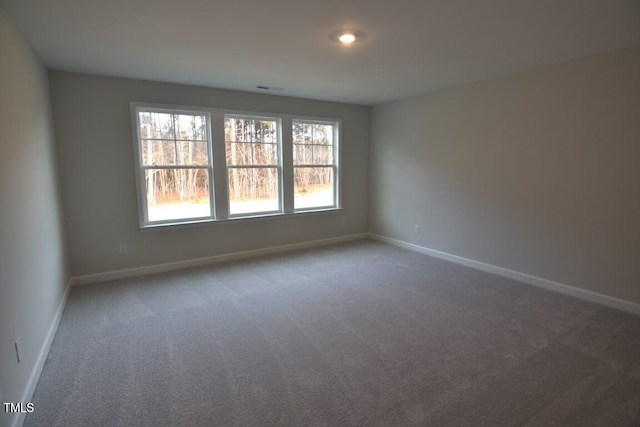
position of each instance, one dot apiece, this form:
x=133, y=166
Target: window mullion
x=337, y=170
x=219, y=165
x=175, y=142
x=287, y=165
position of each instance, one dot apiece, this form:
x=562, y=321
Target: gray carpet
x=354, y=334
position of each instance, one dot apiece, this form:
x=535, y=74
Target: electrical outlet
x=124, y=249
x=18, y=347
x=416, y=228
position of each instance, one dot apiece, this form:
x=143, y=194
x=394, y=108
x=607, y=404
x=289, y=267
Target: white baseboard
x=42, y=356
x=583, y=294
x=177, y=265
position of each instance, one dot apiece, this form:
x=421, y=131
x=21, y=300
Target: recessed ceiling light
x=347, y=37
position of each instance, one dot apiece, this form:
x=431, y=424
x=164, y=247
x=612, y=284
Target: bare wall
x=536, y=172
x=93, y=135
x=33, y=266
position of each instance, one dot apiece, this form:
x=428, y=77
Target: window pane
x=247, y=129
x=191, y=127
x=302, y=154
x=312, y=133
x=193, y=153
x=301, y=133
x=156, y=125
x=323, y=134
x=265, y=154
x=177, y=194
x=312, y=155
x=158, y=152
x=322, y=155
x=240, y=153
x=253, y=190
x=313, y=187
x=200, y=128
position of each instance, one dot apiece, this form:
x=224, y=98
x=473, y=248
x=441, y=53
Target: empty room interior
x=321, y=213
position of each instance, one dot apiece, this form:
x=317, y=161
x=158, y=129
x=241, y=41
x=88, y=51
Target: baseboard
x=583, y=294
x=32, y=383
x=234, y=256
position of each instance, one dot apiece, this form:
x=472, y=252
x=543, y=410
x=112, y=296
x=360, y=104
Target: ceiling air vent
x=271, y=88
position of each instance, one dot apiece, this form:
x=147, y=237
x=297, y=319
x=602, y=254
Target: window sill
x=236, y=219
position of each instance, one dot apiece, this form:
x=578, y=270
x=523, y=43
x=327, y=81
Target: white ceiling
x=410, y=46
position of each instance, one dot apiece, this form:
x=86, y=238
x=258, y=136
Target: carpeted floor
x=355, y=334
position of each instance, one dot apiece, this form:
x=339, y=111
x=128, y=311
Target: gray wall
x=536, y=172
x=33, y=274
x=93, y=135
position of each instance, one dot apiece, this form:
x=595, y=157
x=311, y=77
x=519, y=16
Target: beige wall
x=33, y=272
x=93, y=135
x=536, y=172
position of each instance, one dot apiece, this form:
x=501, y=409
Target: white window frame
x=277, y=166
x=217, y=163
x=143, y=211
x=334, y=166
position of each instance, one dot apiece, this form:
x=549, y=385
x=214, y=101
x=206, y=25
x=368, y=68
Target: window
x=314, y=163
x=175, y=168
x=253, y=170
x=198, y=164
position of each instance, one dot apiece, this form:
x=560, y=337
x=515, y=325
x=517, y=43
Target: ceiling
x=409, y=47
